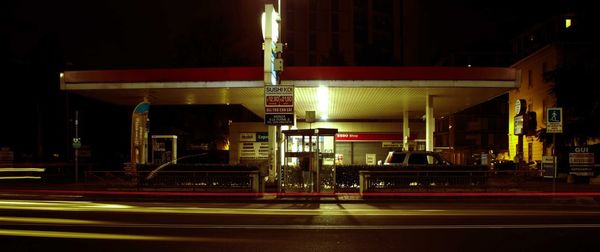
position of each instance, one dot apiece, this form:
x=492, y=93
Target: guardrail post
x=255, y=182
x=362, y=182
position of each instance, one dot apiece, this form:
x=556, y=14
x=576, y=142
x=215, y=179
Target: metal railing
x=206, y=180
x=212, y=180
x=393, y=180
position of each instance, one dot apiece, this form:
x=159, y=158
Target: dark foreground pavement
x=445, y=224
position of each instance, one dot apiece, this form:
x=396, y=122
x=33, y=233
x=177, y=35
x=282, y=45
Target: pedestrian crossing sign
x=554, y=120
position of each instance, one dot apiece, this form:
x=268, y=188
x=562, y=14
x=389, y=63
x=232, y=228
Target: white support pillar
x=405, y=129
x=429, y=123
x=272, y=130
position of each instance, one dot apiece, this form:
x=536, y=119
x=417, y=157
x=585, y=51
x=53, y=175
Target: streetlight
x=270, y=31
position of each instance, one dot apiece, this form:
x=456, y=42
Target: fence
x=187, y=177
x=206, y=180
x=387, y=181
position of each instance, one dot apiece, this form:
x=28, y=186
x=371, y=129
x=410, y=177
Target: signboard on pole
x=519, y=125
x=139, y=135
x=581, y=161
x=554, y=119
x=279, y=105
x=549, y=166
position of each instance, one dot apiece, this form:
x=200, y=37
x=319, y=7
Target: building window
x=312, y=5
x=544, y=71
x=335, y=5
x=529, y=79
x=567, y=23
x=312, y=21
x=544, y=105
x=312, y=59
x=530, y=152
x=335, y=22
x=312, y=41
x=290, y=60
x=290, y=24
x=291, y=41
x=335, y=42
x=544, y=68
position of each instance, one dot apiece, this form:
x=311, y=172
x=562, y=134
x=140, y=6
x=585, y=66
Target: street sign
x=391, y=144
x=549, y=166
x=76, y=143
x=279, y=119
x=554, y=119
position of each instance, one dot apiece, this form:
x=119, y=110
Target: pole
x=318, y=173
x=77, y=149
x=555, y=162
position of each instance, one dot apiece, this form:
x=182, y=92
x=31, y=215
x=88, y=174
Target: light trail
x=326, y=210
x=292, y=194
x=38, y=222
x=110, y=236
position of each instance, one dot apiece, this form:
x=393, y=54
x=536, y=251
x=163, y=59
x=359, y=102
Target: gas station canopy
x=353, y=93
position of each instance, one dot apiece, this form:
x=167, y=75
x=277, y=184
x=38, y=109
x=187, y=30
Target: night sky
x=41, y=38
x=112, y=34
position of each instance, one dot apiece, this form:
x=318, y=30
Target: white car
x=405, y=158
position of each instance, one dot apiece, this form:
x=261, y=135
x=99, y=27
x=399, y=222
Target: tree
x=577, y=90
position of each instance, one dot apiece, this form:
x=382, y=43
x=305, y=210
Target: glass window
x=312, y=59
x=397, y=158
x=335, y=22
x=312, y=5
x=312, y=22
x=335, y=5
x=416, y=158
x=433, y=160
x=335, y=41
x=312, y=41
x=530, y=152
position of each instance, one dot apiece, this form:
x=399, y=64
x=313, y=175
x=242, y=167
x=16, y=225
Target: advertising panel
x=279, y=105
x=581, y=161
x=139, y=135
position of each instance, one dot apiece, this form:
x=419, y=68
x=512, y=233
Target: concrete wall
x=416, y=128
x=535, y=90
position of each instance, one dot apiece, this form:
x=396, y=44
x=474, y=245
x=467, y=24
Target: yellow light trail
x=324, y=210
x=101, y=236
x=52, y=221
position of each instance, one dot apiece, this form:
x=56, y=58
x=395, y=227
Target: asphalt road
x=53, y=224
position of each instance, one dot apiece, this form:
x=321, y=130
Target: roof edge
x=291, y=73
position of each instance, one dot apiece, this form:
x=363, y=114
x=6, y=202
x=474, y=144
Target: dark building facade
x=338, y=33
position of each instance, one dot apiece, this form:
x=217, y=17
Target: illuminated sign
x=520, y=107
x=279, y=105
x=554, y=120
x=374, y=137
x=519, y=125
